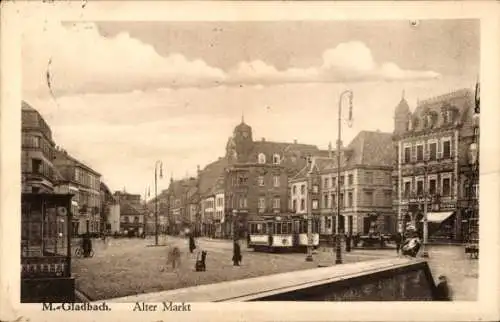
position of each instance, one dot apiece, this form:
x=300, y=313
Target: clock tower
x=243, y=142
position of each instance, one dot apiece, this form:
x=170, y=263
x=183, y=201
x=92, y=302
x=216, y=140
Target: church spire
x=242, y=116
x=403, y=95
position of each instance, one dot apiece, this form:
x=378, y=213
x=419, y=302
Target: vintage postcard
x=161, y=159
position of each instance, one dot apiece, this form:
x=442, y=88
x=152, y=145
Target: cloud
x=84, y=61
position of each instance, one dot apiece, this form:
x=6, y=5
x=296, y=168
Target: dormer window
x=262, y=158
x=276, y=159
x=428, y=120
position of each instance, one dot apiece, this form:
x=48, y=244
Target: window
x=420, y=152
x=303, y=189
x=294, y=190
x=341, y=182
x=369, y=198
x=315, y=204
x=420, y=187
x=262, y=158
x=432, y=187
x=350, y=179
x=242, y=179
x=407, y=156
x=446, y=187
x=342, y=200
x=369, y=177
x=277, y=203
x=334, y=200
x=36, y=166
x=407, y=188
x=349, y=199
x=294, y=205
x=302, y=204
x=260, y=179
x=276, y=181
x=315, y=189
x=387, y=198
x=325, y=201
x=447, y=149
x=276, y=159
x=326, y=183
x=334, y=181
x=432, y=151
x=262, y=203
x=242, y=202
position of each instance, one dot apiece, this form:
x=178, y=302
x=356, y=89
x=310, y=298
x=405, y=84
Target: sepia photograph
x=169, y=163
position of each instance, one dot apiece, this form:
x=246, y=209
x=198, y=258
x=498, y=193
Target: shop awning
x=438, y=217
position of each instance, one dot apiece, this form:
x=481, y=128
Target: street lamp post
x=158, y=162
x=338, y=250
x=309, y=257
x=425, y=254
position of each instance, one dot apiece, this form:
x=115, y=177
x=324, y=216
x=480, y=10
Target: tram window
x=284, y=228
x=264, y=228
x=270, y=227
x=290, y=230
x=259, y=228
x=278, y=228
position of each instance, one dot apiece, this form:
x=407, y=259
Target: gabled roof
x=126, y=208
x=372, y=148
x=209, y=176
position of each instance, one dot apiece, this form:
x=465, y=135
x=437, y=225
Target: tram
x=280, y=233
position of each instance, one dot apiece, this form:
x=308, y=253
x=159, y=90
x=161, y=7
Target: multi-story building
x=131, y=213
x=110, y=210
x=180, y=194
x=256, y=177
x=365, y=187
x=431, y=146
x=85, y=183
x=37, y=152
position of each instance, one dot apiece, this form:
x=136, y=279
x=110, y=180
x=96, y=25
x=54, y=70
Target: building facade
x=365, y=187
x=37, y=152
x=431, y=149
x=256, y=178
x=88, y=196
x=132, y=213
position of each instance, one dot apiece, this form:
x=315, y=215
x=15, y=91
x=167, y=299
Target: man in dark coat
x=236, y=254
x=87, y=245
x=398, y=239
x=192, y=244
x=348, y=239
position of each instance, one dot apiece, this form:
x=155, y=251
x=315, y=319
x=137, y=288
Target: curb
x=81, y=297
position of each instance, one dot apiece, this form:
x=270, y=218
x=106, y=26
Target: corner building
x=257, y=174
x=431, y=147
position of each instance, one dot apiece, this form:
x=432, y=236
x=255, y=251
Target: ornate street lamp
x=338, y=250
x=158, y=163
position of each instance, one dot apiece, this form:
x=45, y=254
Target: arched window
x=276, y=159
x=262, y=158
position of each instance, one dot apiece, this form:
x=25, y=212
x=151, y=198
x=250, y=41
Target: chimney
x=263, y=139
x=330, y=149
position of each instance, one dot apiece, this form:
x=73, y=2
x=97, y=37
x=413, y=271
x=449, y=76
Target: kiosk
x=46, y=248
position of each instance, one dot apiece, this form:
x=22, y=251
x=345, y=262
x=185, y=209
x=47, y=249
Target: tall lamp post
x=425, y=253
x=309, y=257
x=158, y=163
x=338, y=250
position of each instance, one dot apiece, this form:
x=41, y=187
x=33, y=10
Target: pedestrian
x=87, y=245
x=398, y=238
x=192, y=244
x=236, y=253
x=381, y=240
x=174, y=257
x=442, y=290
x=348, y=239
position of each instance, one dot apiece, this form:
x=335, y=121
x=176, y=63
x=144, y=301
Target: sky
x=123, y=95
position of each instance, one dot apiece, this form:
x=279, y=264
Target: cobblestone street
x=128, y=266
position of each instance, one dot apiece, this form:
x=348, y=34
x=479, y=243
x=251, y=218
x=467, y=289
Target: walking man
x=236, y=254
x=398, y=239
x=192, y=244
